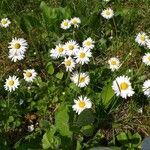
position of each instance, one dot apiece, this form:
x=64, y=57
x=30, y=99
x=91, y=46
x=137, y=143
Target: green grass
x=50, y=97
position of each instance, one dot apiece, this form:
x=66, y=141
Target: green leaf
x=50, y=69
x=10, y=119
x=87, y=130
x=122, y=138
x=53, y=16
x=59, y=75
x=44, y=124
x=49, y=140
x=62, y=120
x=28, y=22
x=107, y=94
x=136, y=139
x=85, y=118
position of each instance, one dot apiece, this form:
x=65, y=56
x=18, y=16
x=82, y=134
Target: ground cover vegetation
x=74, y=74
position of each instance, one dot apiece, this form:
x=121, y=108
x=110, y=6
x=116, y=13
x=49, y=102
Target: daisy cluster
x=143, y=40
x=122, y=85
x=66, y=24
x=17, y=48
x=12, y=82
x=72, y=55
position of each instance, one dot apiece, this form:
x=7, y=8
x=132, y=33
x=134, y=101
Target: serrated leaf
x=62, y=120
x=48, y=138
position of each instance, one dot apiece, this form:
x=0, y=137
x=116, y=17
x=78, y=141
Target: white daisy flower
x=141, y=38
x=148, y=43
x=146, y=59
x=15, y=57
x=71, y=47
x=75, y=21
x=66, y=24
x=53, y=53
x=81, y=104
x=88, y=43
x=69, y=64
x=146, y=88
x=114, y=63
x=11, y=83
x=5, y=22
x=59, y=51
x=122, y=87
x=82, y=56
x=17, y=46
x=29, y=75
x=81, y=80
x=107, y=13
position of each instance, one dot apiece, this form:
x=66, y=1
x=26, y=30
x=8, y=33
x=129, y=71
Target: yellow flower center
x=28, y=74
x=82, y=79
x=82, y=55
x=17, y=46
x=113, y=62
x=81, y=104
x=75, y=21
x=124, y=86
x=142, y=37
x=60, y=49
x=4, y=21
x=149, y=58
x=11, y=82
x=107, y=13
x=68, y=62
x=88, y=43
x=65, y=23
x=71, y=47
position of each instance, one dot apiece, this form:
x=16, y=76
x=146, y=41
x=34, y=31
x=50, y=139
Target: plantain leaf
x=62, y=120
x=107, y=94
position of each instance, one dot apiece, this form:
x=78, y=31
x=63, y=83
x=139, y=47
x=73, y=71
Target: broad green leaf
x=122, y=138
x=62, y=120
x=50, y=69
x=59, y=75
x=107, y=94
x=136, y=139
x=53, y=16
x=85, y=118
x=10, y=119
